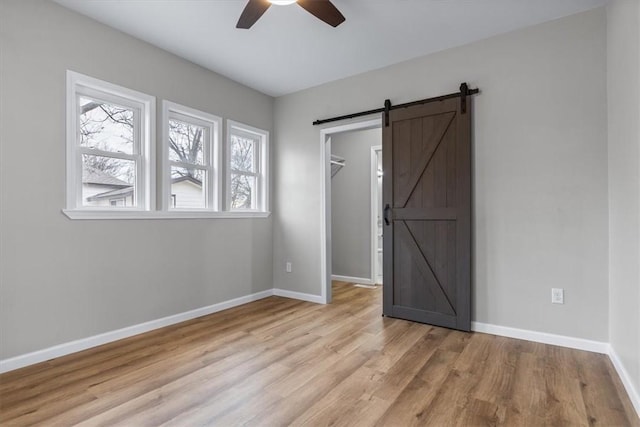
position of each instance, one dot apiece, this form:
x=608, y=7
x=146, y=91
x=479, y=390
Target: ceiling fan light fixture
x=282, y=2
x=324, y=10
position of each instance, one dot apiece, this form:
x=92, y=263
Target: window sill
x=120, y=214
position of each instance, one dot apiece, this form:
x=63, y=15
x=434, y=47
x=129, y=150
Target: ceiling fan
x=321, y=9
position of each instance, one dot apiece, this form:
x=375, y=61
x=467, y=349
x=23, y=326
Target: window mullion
x=137, y=133
x=78, y=171
x=141, y=175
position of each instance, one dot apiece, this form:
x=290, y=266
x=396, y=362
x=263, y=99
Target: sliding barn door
x=427, y=199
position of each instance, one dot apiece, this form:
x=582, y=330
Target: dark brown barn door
x=427, y=198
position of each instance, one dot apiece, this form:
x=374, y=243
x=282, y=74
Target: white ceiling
x=289, y=50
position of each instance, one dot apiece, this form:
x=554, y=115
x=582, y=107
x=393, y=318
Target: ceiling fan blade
x=323, y=10
x=252, y=12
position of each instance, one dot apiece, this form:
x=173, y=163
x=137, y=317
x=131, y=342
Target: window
x=247, y=155
x=109, y=150
x=190, y=157
x=111, y=158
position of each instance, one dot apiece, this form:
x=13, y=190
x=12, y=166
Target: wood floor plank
x=603, y=407
x=409, y=407
x=286, y=410
x=381, y=394
x=456, y=392
x=565, y=404
x=622, y=395
x=528, y=398
x=279, y=361
x=203, y=385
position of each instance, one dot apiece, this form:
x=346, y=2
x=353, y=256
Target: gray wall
x=623, y=44
x=540, y=170
x=351, y=203
x=62, y=280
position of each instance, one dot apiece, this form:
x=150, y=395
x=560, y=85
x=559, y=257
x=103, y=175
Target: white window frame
x=261, y=159
x=143, y=153
x=146, y=206
x=211, y=155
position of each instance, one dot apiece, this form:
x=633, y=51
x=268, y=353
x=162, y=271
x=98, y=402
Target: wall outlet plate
x=557, y=295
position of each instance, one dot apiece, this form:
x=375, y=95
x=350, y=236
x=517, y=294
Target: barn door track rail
x=462, y=94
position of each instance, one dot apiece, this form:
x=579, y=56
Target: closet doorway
x=352, y=220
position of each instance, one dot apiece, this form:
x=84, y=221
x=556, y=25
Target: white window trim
x=211, y=155
x=262, y=163
x=145, y=174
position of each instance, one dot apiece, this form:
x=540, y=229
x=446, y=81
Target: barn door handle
x=387, y=208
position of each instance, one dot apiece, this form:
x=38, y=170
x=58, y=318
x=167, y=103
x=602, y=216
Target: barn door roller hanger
x=462, y=94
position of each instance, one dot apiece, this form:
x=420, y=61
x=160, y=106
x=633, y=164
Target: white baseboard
x=107, y=337
x=350, y=279
x=299, y=295
x=634, y=395
x=542, y=337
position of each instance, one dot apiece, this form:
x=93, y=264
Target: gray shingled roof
x=126, y=191
x=94, y=176
x=186, y=178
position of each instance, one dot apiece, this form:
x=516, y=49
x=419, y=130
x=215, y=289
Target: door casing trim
x=374, y=211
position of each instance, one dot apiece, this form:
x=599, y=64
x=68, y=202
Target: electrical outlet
x=288, y=267
x=557, y=295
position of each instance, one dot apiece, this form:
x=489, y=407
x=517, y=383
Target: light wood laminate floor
x=284, y=362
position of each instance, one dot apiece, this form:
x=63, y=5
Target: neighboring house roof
x=121, y=192
x=187, y=178
x=97, y=177
x=128, y=190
